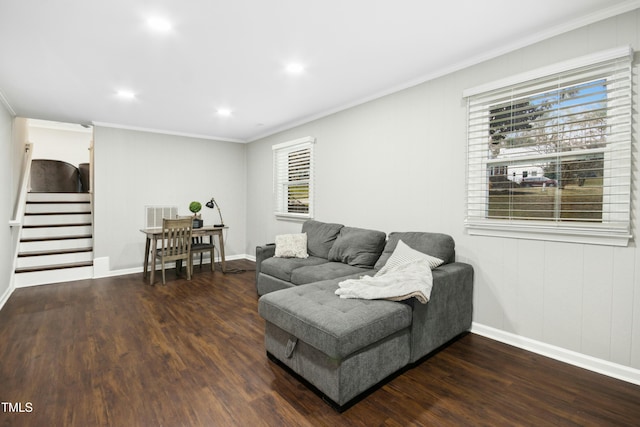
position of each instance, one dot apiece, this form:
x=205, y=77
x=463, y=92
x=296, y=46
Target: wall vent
x=154, y=215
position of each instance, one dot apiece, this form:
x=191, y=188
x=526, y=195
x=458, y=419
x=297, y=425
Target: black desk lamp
x=211, y=204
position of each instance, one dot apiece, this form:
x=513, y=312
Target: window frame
x=281, y=177
x=616, y=233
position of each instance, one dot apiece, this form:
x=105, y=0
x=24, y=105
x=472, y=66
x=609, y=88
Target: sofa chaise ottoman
x=342, y=347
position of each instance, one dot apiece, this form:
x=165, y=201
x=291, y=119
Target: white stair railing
x=19, y=207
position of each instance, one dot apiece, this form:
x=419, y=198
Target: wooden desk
x=154, y=234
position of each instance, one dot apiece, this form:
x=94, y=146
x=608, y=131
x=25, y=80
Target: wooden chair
x=176, y=245
x=199, y=246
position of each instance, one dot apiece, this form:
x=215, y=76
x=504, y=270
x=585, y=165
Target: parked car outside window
x=538, y=181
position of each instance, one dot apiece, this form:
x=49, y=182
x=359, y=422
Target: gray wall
x=134, y=169
x=6, y=200
x=398, y=163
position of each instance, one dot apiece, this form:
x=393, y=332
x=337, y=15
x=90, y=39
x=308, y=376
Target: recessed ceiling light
x=125, y=94
x=295, y=68
x=224, y=112
x=159, y=24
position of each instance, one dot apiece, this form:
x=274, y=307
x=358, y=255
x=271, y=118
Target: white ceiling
x=64, y=60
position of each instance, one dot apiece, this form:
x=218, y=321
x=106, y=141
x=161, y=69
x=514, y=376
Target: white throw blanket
x=412, y=279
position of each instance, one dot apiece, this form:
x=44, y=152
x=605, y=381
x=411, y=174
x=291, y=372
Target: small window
x=293, y=178
x=549, y=155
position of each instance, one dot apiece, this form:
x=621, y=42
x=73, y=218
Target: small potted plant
x=195, y=208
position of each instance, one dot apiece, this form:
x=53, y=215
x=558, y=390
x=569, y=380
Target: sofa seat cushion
x=282, y=267
x=337, y=327
x=358, y=246
x=329, y=270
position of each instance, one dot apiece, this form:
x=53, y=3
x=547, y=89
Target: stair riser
x=57, y=207
x=53, y=276
x=58, y=197
x=44, y=260
x=57, y=219
x=32, y=233
x=48, y=245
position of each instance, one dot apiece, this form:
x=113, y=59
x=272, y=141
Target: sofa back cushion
x=358, y=247
x=435, y=244
x=320, y=237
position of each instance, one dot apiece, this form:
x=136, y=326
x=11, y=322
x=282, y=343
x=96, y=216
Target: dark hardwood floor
x=118, y=352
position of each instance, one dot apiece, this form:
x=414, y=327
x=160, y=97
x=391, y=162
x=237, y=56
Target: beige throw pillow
x=291, y=246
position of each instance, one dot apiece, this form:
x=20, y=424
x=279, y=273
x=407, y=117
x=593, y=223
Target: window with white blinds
x=293, y=178
x=549, y=152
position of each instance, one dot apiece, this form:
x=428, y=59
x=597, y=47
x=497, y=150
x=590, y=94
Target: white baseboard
x=102, y=269
x=594, y=364
x=237, y=257
x=101, y=266
x=6, y=295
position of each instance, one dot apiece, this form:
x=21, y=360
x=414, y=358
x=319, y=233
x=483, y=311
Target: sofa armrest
x=263, y=252
x=449, y=310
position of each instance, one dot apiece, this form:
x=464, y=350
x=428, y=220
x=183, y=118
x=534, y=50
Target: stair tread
x=76, y=224
x=57, y=202
x=55, y=252
x=54, y=267
x=58, y=213
x=46, y=239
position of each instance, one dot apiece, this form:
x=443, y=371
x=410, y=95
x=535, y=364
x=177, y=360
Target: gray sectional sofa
x=345, y=347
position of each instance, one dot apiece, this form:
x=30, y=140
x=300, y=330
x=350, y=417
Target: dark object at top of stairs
x=54, y=176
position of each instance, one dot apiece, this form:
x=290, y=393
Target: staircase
x=56, y=244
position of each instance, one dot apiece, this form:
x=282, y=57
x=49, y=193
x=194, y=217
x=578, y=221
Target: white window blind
x=293, y=178
x=549, y=152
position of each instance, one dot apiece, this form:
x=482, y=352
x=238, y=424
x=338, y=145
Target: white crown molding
x=168, y=132
x=4, y=102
